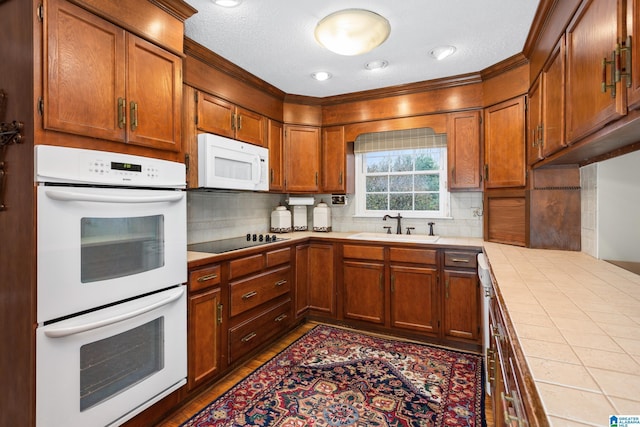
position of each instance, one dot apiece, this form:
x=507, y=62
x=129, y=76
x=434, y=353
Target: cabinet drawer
x=279, y=256
x=420, y=256
x=363, y=252
x=204, y=277
x=256, y=331
x=247, y=265
x=461, y=259
x=253, y=291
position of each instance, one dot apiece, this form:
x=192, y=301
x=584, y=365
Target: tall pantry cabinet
x=63, y=74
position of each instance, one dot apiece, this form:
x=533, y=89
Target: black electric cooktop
x=235, y=243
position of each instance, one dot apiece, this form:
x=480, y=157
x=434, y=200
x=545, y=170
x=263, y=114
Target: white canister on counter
x=322, y=217
x=280, y=220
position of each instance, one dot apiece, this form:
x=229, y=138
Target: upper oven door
x=97, y=246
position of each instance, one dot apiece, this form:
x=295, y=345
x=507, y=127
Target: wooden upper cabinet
x=546, y=109
x=154, y=95
x=463, y=151
x=215, y=115
x=534, y=122
x=505, y=144
x=591, y=37
x=302, y=158
x=633, y=30
x=103, y=82
x=84, y=73
x=334, y=160
x=276, y=155
x=552, y=131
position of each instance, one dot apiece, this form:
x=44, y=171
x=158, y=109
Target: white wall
x=618, y=208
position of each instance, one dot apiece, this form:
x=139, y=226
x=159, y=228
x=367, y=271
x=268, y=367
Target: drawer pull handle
x=465, y=260
x=207, y=277
x=280, y=282
x=249, y=337
x=280, y=318
x=249, y=295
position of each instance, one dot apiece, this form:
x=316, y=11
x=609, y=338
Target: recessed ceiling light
x=352, y=31
x=321, y=75
x=376, y=65
x=442, y=52
x=227, y=3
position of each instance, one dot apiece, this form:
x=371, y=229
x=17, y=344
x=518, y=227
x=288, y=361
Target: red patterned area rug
x=337, y=377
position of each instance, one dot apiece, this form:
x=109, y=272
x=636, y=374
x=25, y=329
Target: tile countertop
x=577, y=320
x=301, y=235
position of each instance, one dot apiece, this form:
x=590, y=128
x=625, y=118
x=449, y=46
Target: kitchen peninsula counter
x=577, y=322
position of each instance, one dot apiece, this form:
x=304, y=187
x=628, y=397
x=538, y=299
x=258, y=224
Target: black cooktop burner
x=226, y=245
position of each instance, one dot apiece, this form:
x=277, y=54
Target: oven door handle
x=76, y=329
x=71, y=196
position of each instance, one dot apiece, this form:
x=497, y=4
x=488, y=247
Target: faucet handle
x=431, y=224
x=388, y=228
x=409, y=229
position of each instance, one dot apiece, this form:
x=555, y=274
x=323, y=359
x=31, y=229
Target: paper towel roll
x=292, y=201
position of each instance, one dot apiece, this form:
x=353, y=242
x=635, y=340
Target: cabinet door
x=333, y=160
x=204, y=319
x=302, y=280
x=591, y=38
x=504, y=144
x=84, y=73
x=461, y=300
x=414, y=299
x=534, y=122
x=250, y=127
x=633, y=30
x=553, y=106
x=322, y=288
x=463, y=151
x=276, y=156
x=154, y=95
x=302, y=154
x=364, y=291
x=215, y=115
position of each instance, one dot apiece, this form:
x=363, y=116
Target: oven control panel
x=80, y=166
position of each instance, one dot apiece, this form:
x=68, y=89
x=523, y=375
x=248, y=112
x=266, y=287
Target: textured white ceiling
x=273, y=40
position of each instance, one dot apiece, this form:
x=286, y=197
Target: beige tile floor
x=578, y=323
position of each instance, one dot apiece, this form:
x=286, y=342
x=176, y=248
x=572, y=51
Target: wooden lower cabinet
x=461, y=305
x=414, y=298
x=364, y=290
x=322, y=288
x=515, y=401
x=204, y=325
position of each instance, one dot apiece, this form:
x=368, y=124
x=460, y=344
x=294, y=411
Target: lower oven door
x=104, y=367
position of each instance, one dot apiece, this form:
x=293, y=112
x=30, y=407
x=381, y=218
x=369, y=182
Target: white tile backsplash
x=213, y=215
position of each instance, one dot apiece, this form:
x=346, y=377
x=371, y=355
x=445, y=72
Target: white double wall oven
x=111, y=300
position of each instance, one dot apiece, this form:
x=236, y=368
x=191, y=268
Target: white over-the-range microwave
x=229, y=164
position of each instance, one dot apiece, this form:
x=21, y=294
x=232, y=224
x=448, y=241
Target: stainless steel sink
x=414, y=238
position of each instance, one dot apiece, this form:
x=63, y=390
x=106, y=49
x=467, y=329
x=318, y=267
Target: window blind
x=399, y=140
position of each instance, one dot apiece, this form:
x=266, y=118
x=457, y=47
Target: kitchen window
x=402, y=171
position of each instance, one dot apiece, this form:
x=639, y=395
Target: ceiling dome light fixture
x=442, y=52
x=227, y=3
x=378, y=64
x=321, y=75
x=352, y=31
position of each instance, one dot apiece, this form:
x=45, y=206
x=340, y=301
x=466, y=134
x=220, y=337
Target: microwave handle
x=76, y=329
x=257, y=172
x=70, y=196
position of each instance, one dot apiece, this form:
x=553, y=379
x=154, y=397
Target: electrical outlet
x=477, y=211
x=339, y=199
